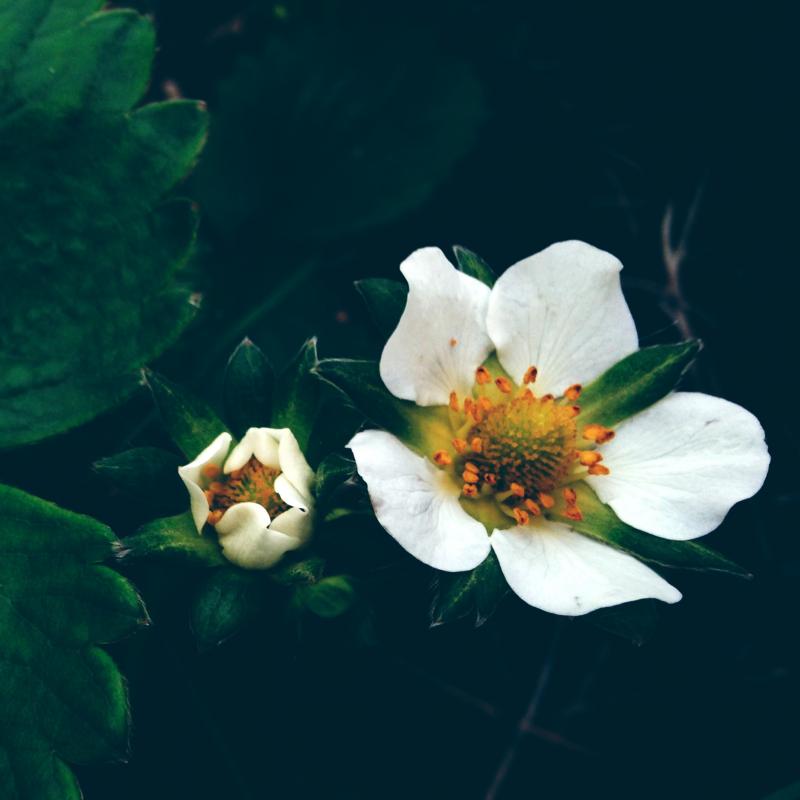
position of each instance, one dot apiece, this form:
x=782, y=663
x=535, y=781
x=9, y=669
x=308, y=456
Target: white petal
x=258, y=442
x=289, y=494
x=294, y=522
x=441, y=338
x=679, y=466
x=417, y=504
x=562, y=311
x=294, y=465
x=192, y=476
x=557, y=570
x=246, y=539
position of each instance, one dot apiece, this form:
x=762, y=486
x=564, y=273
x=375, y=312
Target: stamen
x=547, y=398
x=211, y=471
x=530, y=375
x=485, y=403
x=503, y=384
x=573, y=512
x=442, y=458
x=547, y=500
x=518, y=490
x=589, y=457
x=482, y=376
x=470, y=467
x=476, y=444
x=598, y=433
x=521, y=516
x=570, y=496
x=599, y=469
x=469, y=404
x=490, y=478
x=533, y=508
x=215, y=516
x=454, y=401
x=469, y=490
x=460, y=445
x=470, y=477
x=573, y=392
x=575, y=410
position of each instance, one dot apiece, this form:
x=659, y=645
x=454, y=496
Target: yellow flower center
x=253, y=483
x=519, y=450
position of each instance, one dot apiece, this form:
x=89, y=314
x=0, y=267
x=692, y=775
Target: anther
x=470, y=467
x=589, y=457
x=459, y=445
x=453, y=342
x=573, y=392
x=530, y=375
x=570, y=496
x=490, y=479
x=575, y=410
x=469, y=490
x=599, y=469
x=454, y=401
x=598, y=433
x=485, y=403
x=442, y=458
x=476, y=444
x=522, y=517
x=211, y=471
x=518, y=490
x=533, y=508
x=547, y=500
x=214, y=516
x=469, y=405
x=482, y=376
x=573, y=512
x=503, y=384
x=470, y=477
x=547, y=398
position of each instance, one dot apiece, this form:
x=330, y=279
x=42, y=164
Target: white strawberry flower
x=509, y=457
x=258, y=496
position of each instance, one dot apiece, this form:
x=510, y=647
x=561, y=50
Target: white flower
x=507, y=468
x=258, y=497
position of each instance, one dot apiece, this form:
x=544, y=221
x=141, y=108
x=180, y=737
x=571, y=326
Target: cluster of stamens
x=520, y=448
x=253, y=483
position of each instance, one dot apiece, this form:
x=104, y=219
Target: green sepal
x=293, y=573
x=297, y=395
x=328, y=598
x=473, y=265
x=249, y=382
x=173, y=539
x=334, y=471
x=636, y=382
x=636, y=622
x=147, y=473
x=601, y=523
x=385, y=301
x=191, y=423
x=361, y=382
x=229, y=600
x=62, y=698
x=476, y=593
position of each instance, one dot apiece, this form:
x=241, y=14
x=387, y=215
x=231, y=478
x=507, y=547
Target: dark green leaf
x=249, y=380
x=306, y=142
x=229, y=601
x=87, y=239
x=475, y=593
x=601, y=523
x=334, y=471
x=385, y=301
x=191, y=423
x=361, y=382
x=61, y=697
x=172, y=538
x=297, y=395
x=330, y=597
x=293, y=573
x=635, y=622
x=636, y=382
x=473, y=265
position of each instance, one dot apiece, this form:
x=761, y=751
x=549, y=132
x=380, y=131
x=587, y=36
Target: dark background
x=344, y=137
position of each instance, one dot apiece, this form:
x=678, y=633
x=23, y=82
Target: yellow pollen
x=459, y=445
x=470, y=490
x=521, y=516
x=599, y=469
x=598, y=433
x=530, y=375
x=442, y=458
x=454, y=401
x=573, y=392
x=589, y=457
x=482, y=376
x=503, y=384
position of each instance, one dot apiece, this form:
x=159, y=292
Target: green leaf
x=475, y=593
x=332, y=473
x=191, y=423
x=229, y=601
x=601, y=523
x=174, y=539
x=249, y=381
x=635, y=622
x=473, y=265
x=361, y=382
x=62, y=698
x=306, y=142
x=297, y=395
x=329, y=598
x=88, y=238
x=385, y=301
x=636, y=382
